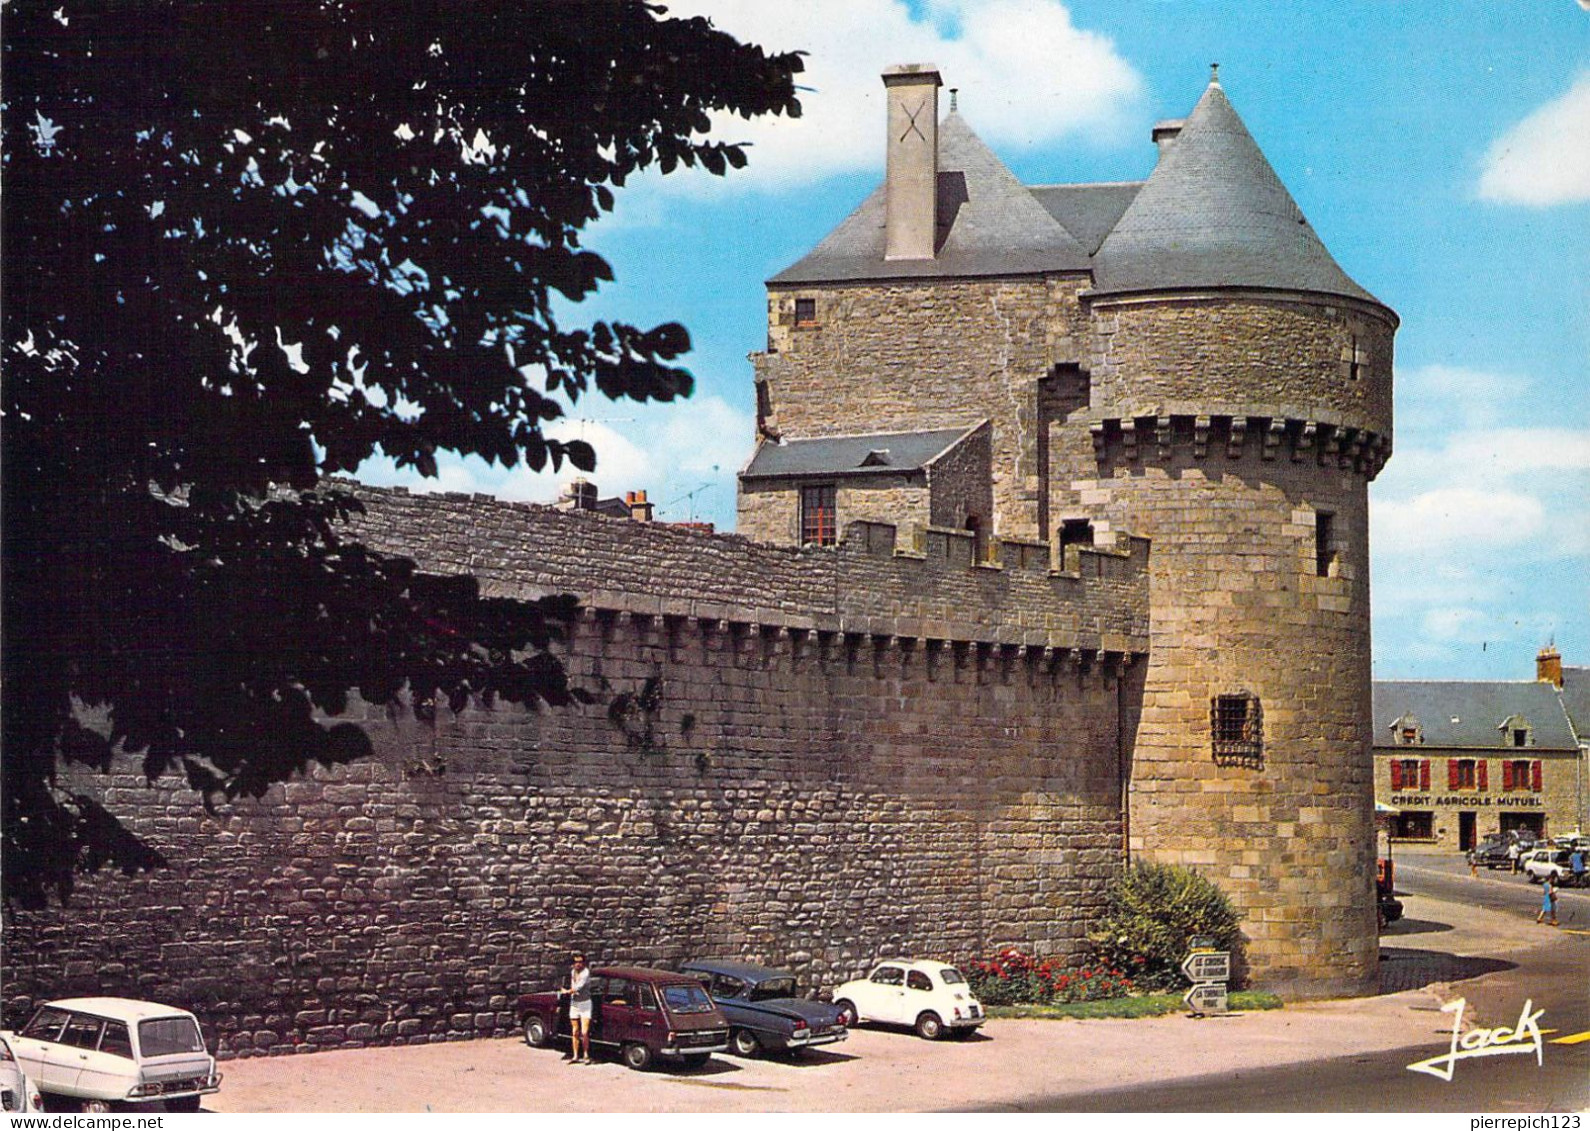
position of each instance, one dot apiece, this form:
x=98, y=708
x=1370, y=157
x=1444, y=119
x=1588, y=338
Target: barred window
x=818, y=526
x=1236, y=724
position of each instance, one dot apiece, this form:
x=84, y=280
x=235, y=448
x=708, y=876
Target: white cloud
x=1026, y=74
x=667, y=450
x=1455, y=516
x=1544, y=159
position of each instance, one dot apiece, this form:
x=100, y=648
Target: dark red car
x=642, y=1013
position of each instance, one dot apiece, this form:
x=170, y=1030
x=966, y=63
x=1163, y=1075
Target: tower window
x=1236, y=724
x=805, y=312
x=1324, y=543
x=818, y=526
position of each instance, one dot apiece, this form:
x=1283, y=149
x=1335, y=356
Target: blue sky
x=1441, y=150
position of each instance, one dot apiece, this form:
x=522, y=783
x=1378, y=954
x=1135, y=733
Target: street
x=1554, y=977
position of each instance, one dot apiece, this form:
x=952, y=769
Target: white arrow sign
x=1214, y=966
x=1206, y=997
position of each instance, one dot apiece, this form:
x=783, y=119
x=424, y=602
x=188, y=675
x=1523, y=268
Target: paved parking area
x=890, y=1070
x=875, y=1070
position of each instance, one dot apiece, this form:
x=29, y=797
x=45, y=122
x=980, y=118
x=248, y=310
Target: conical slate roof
x=1214, y=214
x=988, y=224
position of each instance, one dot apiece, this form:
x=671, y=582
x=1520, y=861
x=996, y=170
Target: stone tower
x=1179, y=358
x=1239, y=404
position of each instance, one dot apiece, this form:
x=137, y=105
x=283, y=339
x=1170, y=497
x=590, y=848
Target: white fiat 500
x=99, y=1051
x=931, y=997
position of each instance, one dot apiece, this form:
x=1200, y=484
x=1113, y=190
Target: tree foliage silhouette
x=248, y=246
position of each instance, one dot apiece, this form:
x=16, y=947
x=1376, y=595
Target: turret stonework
x=1179, y=359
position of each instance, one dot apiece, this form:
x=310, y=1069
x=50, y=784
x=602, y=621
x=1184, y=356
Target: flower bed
x=1013, y=977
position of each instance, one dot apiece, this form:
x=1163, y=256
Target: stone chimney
x=1548, y=666
x=639, y=508
x=913, y=160
x=1165, y=134
x=579, y=495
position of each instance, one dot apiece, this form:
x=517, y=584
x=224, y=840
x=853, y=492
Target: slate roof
x=1576, y=700
x=1214, y=214
x=1088, y=212
x=1467, y=714
x=879, y=453
x=989, y=224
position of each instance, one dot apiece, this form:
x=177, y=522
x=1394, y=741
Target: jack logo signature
x=1524, y=1037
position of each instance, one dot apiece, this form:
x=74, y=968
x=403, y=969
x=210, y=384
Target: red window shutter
x=1536, y=784
x=1424, y=774
x=1480, y=779
x=1507, y=776
x=1451, y=773
x=1396, y=774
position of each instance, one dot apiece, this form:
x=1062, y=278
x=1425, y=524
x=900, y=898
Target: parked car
x=1543, y=862
x=99, y=1051
x=1490, y=853
x=18, y=1094
x=929, y=996
x=642, y=1014
x=764, y=1013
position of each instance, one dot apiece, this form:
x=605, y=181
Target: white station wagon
x=931, y=997
x=99, y=1051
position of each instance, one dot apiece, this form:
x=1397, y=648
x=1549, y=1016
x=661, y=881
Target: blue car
x=764, y=1013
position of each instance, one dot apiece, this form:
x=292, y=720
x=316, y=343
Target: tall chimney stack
x=1548, y=666
x=913, y=160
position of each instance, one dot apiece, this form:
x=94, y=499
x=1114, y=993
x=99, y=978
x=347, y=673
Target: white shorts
x=580, y=1009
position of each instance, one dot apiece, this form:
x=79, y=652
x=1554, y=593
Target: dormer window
x=878, y=457
x=1516, y=732
x=1406, y=731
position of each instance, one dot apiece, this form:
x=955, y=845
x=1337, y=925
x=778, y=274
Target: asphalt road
x=1555, y=978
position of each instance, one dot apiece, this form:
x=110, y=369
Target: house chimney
x=1548, y=666
x=579, y=495
x=639, y=508
x=1165, y=134
x=911, y=211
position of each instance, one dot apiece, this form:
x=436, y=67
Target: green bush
x=1154, y=912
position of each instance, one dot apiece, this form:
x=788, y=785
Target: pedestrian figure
x=1576, y=864
x=579, y=995
x=1548, y=900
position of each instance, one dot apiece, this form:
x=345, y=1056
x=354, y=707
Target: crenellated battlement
x=934, y=590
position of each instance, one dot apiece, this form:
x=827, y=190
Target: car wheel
x=637, y=1057
x=183, y=1103
x=847, y=1012
x=745, y=1043
x=929, y=1027
x=535, y=1033
x=696, y=1059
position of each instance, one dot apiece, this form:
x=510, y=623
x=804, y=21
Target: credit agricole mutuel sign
x=1472, y=801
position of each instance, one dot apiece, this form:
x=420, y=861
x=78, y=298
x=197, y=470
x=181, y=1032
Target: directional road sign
x=1214, y=966
x=1206, y=997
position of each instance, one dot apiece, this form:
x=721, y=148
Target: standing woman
x=579, y=995
x=1548, y=899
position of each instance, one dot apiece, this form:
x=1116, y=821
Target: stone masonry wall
x=1555, y=805
x=804, y=758
x=924, y=354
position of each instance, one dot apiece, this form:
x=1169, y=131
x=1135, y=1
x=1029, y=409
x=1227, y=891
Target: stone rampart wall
x=809, y=759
